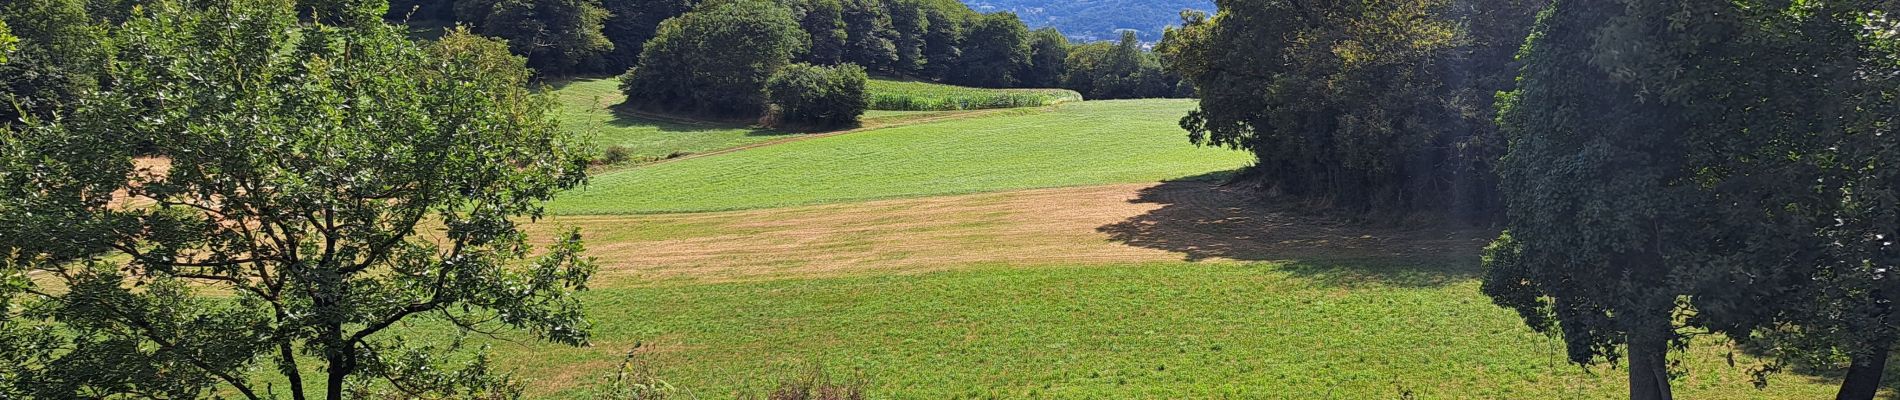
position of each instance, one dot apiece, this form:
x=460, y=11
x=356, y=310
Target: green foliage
x=57, y=56
x=994, y=48
x=694, y=64
x=923, y=96
x=7, y=42
x=943, y=37
x=870, y=40
x=814, y=96
x=306, y=163
x=630, y=24
x=1121, y=70
x=555, y=35
x=1362, y=106
x=1048, y=59
x=908, y=19
x=1011, y=150
x=823, y=22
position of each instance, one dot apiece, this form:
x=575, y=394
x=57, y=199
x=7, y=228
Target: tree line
x=1662, y=168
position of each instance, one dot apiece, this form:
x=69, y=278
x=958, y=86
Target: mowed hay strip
x=1127, y=223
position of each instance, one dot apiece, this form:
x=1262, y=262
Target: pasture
x=1023, y=254
x=1125, y=141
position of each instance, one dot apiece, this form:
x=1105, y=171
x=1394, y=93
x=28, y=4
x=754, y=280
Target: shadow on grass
x=1201, y=219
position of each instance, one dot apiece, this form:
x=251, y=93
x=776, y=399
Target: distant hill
x=1091, y=20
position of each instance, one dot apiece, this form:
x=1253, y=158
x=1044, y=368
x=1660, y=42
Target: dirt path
x=1067, y=226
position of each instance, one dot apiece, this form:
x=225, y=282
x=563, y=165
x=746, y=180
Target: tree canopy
x=693, y=65
x=556, y=36
x=327, y=183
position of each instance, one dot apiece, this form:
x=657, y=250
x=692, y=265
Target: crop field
x=1015, y=149
x=886, y=94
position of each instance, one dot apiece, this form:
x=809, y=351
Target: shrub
x=615, y=155
x=809, y=95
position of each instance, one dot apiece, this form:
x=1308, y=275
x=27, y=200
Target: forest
x=509, y=198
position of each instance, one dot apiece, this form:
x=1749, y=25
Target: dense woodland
x=1659, y=169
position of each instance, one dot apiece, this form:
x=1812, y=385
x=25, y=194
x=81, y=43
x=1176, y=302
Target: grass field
x=1072, y=144
x=888, y=94
x=586, y=106
x=1166, y=330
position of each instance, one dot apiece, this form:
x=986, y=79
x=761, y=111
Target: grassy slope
x=1074, y=144
x=584, y=107
x=1171, y=330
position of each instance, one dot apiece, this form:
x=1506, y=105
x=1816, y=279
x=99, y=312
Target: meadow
x=1022, y=254
x=1126, y=141
x=891, y=94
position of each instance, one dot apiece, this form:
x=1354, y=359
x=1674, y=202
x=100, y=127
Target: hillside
x=1090, y=20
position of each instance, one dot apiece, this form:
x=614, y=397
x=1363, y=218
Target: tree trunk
x=1649, y=361
x=1863, y=377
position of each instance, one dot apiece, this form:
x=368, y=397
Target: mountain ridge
x=1092, y=20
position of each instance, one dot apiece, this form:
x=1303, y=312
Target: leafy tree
x=1348, y=105
x=1048, y=58
x=995, y=46
x=870, y=38
x=307, y=165
x=1122, y=70
x=1604, y=207
x=555, y=35
x=909, y=20
x=631, y=23
x=694, y=65
x=58, y=56
x=818, y=97
x=943, y=37
x=823, y=21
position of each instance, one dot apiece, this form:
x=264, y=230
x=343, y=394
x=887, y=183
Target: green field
x=887, y=94
x=586, y=107
x=1171, y=330
x=1073, y=144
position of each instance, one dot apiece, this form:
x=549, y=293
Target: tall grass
x=922, y=96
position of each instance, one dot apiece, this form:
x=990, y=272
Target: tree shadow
x=1202, y=219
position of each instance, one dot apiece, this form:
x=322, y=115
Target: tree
x=631, y=23
x=1348, y=105
x=994, y=47
x=57, y=57
x=823, y=21
x=555, y=35
x=943, y=37
x=325, y=186
x=818, y=97
x=1603, y=202
x=909, y=20
x=716, y=59
x=1048, y=58
x=870, y=39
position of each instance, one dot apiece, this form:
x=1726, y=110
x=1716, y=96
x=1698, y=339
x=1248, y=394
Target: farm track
x=1113, y=224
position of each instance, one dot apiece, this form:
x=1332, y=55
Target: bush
x=815, y=96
